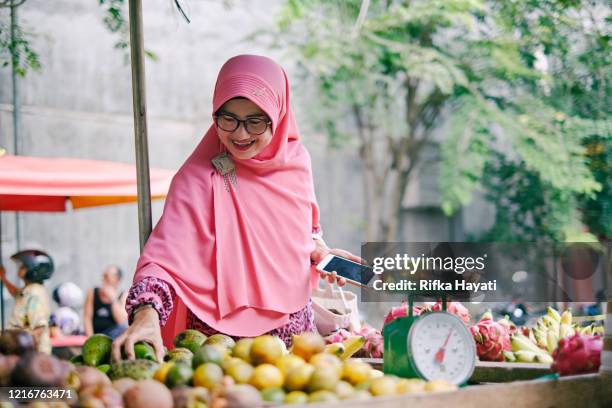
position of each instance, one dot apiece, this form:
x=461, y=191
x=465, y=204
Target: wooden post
x=140, y=122
x=16, y=96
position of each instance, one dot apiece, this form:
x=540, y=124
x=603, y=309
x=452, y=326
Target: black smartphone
x=355, y=273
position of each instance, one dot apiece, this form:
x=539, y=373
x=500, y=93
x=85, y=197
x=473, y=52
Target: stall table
x=590, y=390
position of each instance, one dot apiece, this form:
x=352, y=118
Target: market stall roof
x=49, y=184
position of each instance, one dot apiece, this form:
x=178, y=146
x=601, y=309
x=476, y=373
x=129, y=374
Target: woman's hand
x=109, y=293
x=321, y=251
x=145, y=327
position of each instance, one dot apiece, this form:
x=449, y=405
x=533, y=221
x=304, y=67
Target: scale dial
x=440, y=346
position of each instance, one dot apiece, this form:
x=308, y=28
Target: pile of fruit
x=218, y=372
x=250, y=372
x=555, y=340
x=213, y=372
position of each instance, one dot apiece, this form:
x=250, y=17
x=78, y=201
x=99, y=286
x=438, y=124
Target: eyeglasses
x=253, y=126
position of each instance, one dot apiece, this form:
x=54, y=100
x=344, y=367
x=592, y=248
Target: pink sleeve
x=314, y=274
x=150, y=291
x=316, y=227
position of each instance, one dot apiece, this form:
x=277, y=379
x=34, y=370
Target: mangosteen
x=36, y=369
x=7, y=364
x=16, y=342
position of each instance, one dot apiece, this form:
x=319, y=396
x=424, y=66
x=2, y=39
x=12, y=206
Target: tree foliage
x=21, y=50
x=506, y=88
x=17, y=50
x=115, y=22
x=564, y=193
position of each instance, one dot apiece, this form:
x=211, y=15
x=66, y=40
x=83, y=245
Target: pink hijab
x=239, y=259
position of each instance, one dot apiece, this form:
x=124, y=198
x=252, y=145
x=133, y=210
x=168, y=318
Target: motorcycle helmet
x=38, y=264
x=67, y=320
x=68, y=294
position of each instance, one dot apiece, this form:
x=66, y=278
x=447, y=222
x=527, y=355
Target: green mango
x=209, y=353
x=139, y=369
x=179, y=375
x=274, y=395
x=222, y=340
x=179, y=354
x=97, y=350
x=77, y=360
x=104, y=368
x=190, y=339
x=144, y=350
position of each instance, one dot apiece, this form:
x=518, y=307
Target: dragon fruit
x=509, y=325
x=577, y=354
x=491, y=339
x=338, y=336
x=401, y=311
x=373, y=347
x=455, y=308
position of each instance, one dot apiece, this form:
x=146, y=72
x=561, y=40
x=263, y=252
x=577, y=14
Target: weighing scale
x=434, y=345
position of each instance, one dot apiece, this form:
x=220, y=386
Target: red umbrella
x=48, y=184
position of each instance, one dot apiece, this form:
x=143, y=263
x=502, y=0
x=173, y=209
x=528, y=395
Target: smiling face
x=240, y=143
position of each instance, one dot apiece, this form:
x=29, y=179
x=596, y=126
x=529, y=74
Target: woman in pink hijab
x=234, y=250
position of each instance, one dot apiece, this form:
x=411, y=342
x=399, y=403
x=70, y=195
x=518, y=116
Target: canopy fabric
x=47, y=184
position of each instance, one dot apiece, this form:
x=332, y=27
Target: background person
x=104, y=310
x=32, y=310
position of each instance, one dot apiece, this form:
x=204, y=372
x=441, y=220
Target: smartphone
x=354, y=273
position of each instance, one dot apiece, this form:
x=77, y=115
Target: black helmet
x=39, y=265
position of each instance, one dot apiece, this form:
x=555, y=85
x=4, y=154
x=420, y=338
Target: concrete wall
x=79, y=105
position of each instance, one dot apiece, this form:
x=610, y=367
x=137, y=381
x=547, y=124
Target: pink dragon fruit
x=373, y=347
x=491, y=338
x=338, y=336
x=578, y=354
x=510, y=326
x=455, y=308
x=401, y=311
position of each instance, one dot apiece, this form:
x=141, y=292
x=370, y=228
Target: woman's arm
x=88, y=313
x=148, y=306
x=13, y=290
x=150, y=291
